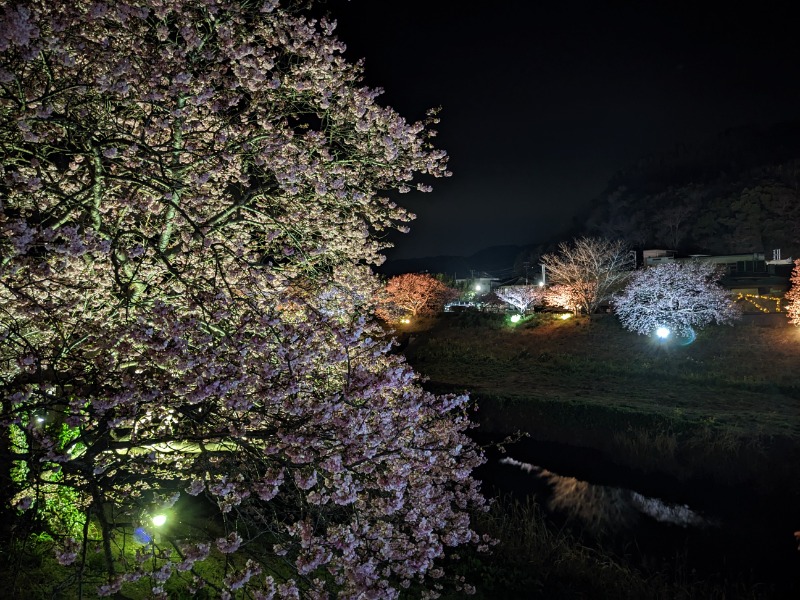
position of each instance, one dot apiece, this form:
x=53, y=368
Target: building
x=747, y=273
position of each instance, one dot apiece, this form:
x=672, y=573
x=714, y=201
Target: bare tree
x=674, y=223
x=592, y=268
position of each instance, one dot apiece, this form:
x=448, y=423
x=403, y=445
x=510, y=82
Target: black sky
x=544, y=101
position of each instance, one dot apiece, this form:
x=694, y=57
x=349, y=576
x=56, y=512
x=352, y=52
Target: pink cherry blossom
x=677, y=296
x=793, y=296
x=194, y=196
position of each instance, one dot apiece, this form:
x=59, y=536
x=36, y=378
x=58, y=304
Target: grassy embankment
x=724, y=407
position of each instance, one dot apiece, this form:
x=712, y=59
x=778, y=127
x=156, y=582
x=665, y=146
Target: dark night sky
x=544, y=101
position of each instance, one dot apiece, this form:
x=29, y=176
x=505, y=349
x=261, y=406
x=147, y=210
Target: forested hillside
x=739, y=192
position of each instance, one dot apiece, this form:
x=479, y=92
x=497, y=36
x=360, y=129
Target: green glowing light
x=159, y=520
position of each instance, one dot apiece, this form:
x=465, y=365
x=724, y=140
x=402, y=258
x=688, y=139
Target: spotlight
x=159, y=520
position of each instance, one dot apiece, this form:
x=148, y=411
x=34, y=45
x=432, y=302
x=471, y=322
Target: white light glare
x=662, y=332
x=159, y=520
x=515, y=318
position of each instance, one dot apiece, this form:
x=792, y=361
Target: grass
x=535, y=559
x=725, y=406
x=723, y=410
x=30, y=570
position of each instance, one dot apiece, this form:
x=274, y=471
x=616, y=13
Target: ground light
x=566, y=316
x=141, y=535
x=159, y=520
x=515, y=318
x=662, y=332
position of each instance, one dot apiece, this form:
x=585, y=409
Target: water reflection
x=602, y=508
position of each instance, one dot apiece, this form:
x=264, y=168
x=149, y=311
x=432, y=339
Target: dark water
x=715, y=532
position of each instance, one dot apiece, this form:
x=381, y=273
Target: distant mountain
x=497, y=261
x=738, y=192
x=727, y=154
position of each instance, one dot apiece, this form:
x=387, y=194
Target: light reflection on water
x=602, y=508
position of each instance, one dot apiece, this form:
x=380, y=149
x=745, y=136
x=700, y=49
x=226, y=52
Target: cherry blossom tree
x=678, y=296
x=793, y=296
x=521, y=297
x=592, y=268
x=192, y=195
x=412, y=294
x=562, y=296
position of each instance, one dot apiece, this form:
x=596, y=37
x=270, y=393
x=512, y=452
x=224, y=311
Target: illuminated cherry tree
x=793, y=296
x=521, y=297
x=592, y=268
x=677, y=296
x=412, y=294
x=563, y=296
x=192, y=195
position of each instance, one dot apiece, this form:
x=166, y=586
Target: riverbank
x=725, y=407
x=711, y=423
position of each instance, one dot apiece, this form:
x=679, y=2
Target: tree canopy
x=412, y=294
x=793, y=296
x=521, y=297
x=192, y=194
x=677, y=296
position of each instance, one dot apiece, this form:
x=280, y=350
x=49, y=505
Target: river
x=653, y=520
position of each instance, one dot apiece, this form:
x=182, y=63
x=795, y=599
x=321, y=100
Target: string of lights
x=751, y=299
